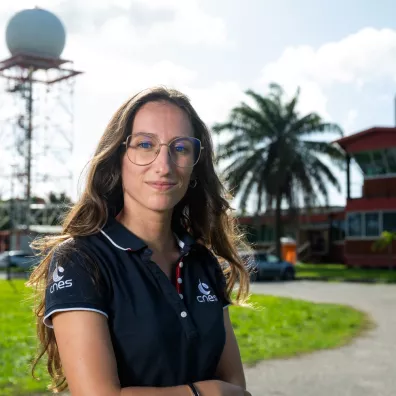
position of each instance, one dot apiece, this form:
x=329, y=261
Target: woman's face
x=160, y=185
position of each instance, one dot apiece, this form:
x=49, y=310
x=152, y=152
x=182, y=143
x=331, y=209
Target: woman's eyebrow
x=144, y=133
x=155, y=135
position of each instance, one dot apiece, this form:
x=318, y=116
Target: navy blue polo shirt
x=161, y=336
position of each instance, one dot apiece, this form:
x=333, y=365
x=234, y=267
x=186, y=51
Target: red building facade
x=367, y=217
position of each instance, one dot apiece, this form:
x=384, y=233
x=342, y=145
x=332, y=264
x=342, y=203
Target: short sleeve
x=221, y=283
x=73, y=285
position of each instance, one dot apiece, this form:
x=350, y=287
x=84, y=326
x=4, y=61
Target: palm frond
x=236, y=178
x=290, y=108
x=249, y=186
x=313, y=125
x=255, y=120
x=332, y=152
x=325, y=171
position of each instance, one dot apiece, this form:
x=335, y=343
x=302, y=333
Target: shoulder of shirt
x=206, y=253
x=75, y=248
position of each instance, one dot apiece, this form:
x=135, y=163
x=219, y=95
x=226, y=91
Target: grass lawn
x=276, y=327
x=283, y=327
x=342, y=272
x=17, y=342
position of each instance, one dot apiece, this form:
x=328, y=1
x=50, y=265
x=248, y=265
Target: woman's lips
x=162, y=186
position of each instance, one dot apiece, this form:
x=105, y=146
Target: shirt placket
x=174, y=295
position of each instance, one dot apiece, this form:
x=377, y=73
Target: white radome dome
x=36, y=32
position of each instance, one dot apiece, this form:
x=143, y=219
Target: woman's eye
x=181, y=149
x=145, y=145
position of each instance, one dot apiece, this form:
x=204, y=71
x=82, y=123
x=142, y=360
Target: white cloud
x=191, y=27
x=349, y=123
x=214, y=102
x=137, y=24
x=363, y=57
x=367, y=54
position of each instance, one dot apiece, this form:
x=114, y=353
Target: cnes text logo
x=58, y=282
x=205, y=293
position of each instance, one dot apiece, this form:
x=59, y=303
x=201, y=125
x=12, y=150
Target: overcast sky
x=341, y=53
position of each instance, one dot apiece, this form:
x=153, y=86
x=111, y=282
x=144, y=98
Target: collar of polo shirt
x=125, y=239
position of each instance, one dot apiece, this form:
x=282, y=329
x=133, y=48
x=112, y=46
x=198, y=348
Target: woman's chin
x=161, y=205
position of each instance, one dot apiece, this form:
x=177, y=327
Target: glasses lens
x=185, y=152
x=142, y=149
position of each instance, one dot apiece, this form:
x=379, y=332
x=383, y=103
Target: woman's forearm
x=205, y=388
x=182, y=390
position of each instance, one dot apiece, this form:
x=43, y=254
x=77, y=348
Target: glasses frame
x=127, y=140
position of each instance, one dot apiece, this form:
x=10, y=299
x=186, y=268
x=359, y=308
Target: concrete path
x=366, y=367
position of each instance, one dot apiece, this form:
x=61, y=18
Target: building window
x=266, y=234
x=389, y=221
x=372, y=224
x=379, y=166
x=391, y=159
x=338, y=230
x=376, y=162
x=355, y=224
x=364, y=161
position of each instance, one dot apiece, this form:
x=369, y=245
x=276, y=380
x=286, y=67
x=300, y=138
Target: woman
x=133, y=300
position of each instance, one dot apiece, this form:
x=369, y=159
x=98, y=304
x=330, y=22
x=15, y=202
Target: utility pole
x=29, y=132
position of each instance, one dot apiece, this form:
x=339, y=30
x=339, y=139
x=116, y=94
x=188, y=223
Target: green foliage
x=384, y=241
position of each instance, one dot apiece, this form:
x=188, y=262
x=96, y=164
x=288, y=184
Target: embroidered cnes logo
x=203, y=288
x=205, y=293
x=58, y=282
x=55, y=276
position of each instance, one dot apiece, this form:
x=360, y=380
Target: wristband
x=194, y=389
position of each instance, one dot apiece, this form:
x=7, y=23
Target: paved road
x=366, y=367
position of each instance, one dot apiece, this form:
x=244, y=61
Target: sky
x=342, y=54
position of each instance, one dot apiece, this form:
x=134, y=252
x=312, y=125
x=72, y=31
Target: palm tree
x=274, y=154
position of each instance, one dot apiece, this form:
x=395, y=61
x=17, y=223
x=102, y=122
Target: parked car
x=263, y=265
x=17, y=259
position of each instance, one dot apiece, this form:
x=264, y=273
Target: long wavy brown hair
x=204, y=211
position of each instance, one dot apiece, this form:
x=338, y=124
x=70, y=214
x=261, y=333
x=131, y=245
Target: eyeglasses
x=142, y=149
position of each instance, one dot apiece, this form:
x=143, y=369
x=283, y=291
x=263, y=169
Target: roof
x=43, y=229
x=356, y=142
x=370, y=139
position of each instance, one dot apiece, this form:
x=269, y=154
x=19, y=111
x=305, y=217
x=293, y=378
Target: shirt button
x=181, y=296
x=181, y=264
x=183, y=314
x=179, y=280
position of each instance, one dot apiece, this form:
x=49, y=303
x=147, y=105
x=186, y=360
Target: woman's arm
x=230, y=368
x=88, y=358
x=89, y=363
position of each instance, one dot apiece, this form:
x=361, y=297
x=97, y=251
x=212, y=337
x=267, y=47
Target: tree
x=275, y=156
x=62, y=198
x=385, y=242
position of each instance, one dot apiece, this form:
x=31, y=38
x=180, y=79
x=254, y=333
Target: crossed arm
x=89, y=364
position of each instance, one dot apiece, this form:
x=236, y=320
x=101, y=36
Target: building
x=346, y=234
x=45, y=221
